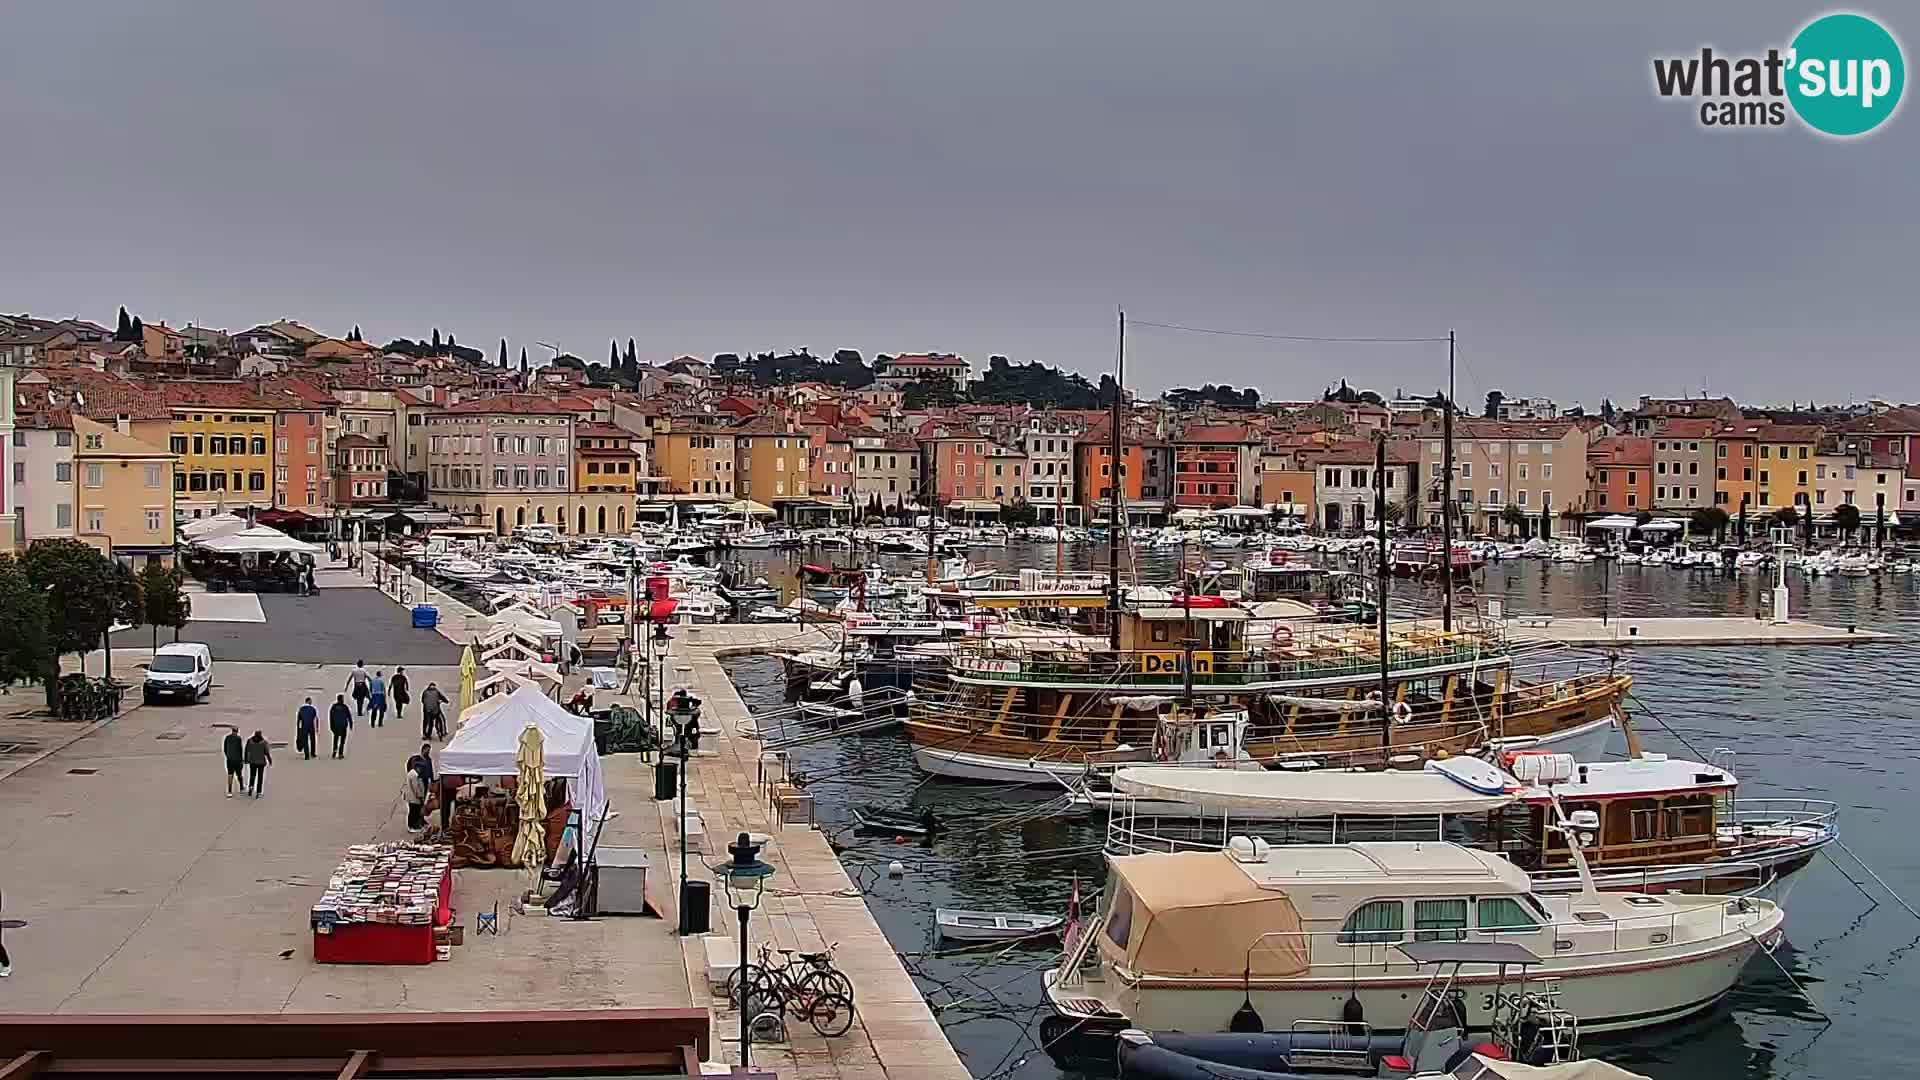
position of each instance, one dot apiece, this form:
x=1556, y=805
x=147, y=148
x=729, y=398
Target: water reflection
x=1833, y=722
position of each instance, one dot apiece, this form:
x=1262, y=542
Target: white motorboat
x=1186, y=938
x=955, y=924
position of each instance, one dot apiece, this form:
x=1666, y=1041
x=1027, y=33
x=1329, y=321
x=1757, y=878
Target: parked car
x=183, y=669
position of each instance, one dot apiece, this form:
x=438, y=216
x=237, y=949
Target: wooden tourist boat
x=1019, y=709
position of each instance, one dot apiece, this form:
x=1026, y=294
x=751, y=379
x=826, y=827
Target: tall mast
x=1446, y=499
x=1380, y=531
x=1115, y=527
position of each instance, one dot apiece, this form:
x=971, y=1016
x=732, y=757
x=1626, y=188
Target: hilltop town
x=115, y=435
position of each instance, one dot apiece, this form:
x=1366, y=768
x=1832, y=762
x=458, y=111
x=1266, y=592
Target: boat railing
x=1211, y=670
x=1755, y=817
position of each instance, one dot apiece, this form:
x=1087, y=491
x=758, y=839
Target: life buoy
x=1282, y=636
x=1402, y=713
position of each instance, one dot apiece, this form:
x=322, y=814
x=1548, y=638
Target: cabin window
x=1689, y=819
x=1160, y=632
x=1646, y=824
x=1381, y=922
x=1499, y=913
x=1120, y=918
x=1439, y=920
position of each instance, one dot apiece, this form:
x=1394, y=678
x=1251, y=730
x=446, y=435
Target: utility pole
x=1116, y=530
x=1380, y=532
x=1446, y=499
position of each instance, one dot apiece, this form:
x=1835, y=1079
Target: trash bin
x=666, y=779
x=696, y=899
x=602, y=731
x=425, y=616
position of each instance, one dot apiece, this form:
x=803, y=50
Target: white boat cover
x=217, y=525
x=1482, y=1068
x=1303, y=794
x=489, y=744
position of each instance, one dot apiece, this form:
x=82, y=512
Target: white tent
x=1613, y=521
x=258, y=540
x=1242, y=512
x=488, y=744
x=1662, y=526
x=217, y=525
x=1191, y=513
x=520, y=617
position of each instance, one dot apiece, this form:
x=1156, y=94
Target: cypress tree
x=523, y=359
x=613, y=355
x=123, y=331
x=436, y=339
x=503, y=352
x=139, y=330
x=633, y=361
x=355, y=336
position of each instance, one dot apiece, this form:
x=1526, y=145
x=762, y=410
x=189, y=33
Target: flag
x=1072, y=930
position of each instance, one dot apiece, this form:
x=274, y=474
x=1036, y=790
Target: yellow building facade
x=225, y=449
x=124, y=488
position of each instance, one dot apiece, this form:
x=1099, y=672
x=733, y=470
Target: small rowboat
x=957, y=925
x=895, y=822
x=819, y=712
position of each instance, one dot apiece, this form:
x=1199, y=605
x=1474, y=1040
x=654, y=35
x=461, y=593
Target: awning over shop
x=1611, y=521
x=258, y=540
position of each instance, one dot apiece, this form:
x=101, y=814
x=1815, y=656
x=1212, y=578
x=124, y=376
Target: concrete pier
x=1637, y=631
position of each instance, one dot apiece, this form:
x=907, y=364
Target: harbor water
x=1832, y=722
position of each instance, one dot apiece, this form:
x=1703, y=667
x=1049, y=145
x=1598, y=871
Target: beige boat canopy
x=1197, y=915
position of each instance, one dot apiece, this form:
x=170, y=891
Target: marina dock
x=1638, y=631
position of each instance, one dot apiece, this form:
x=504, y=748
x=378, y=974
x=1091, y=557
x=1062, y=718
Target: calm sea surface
x=1838, y=723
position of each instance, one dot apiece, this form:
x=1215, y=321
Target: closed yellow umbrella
x=530, y=841
x=467, y=668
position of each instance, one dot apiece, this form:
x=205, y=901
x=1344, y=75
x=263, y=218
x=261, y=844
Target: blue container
x=425, y=616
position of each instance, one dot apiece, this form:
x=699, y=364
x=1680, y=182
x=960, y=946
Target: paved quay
x=1656, y=631
x=809, y=903
x=141, y=888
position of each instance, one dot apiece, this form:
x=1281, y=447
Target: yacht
x=1187, y=938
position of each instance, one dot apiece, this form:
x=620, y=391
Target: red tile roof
x=1627, y=450
x=513, y=405
x=107, y=396
x=1686, y=427
x=1214, y=433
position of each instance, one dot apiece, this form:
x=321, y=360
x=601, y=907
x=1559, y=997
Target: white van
x=183, y=669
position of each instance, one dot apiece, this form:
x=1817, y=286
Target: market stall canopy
x=748, y=506
x=1197, y=914
x=258, y=540
x=525, y=620
x=489, y=745
x=1272, y=794
x=216, y=525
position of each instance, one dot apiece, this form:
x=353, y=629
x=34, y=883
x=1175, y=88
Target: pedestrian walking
x=259, y=754
x=339, y=719
x=419, y=783
x=377, y=699
x=304, y=723
x=398, y=690
x=233, y=748
x=309, y=579
x=359, y=684
x=433, y=721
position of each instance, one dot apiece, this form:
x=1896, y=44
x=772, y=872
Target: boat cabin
x=1159, y=637
x=1652, y=810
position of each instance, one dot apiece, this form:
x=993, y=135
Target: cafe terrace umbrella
x=467, y=668
x=530, y=843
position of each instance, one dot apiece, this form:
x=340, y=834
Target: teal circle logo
x=1845, y=74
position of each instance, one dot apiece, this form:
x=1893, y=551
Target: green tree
x=523, y=359
x=1495, y=399
x=24, y=653
x=1514, y=517
x=123, y=330
x=164, y=600
x=1019, y=512
x=926, y=392
x=83, y=593
x=436, y=340
x=613, y=354
x=503, y=352
x=138, y=331
x=1786, y=517
x=1708, y=521
x=355, y=334
x=1846, y=518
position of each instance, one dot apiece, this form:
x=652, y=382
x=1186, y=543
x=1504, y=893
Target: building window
x=153, y=475
x=153, y=519
x=95, y=475
x=63, y=516
x=96, y=521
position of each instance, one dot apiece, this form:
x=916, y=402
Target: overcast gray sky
x=975, y=177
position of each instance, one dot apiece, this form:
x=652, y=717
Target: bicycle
x=811, y=989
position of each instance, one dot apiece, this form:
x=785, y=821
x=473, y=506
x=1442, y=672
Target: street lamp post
x=686, y=726
x=746, y=876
